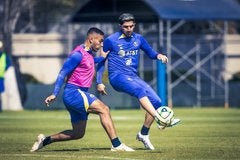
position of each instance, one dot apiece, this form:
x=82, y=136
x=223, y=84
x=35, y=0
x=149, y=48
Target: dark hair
x=94, y=30
x=126, y=17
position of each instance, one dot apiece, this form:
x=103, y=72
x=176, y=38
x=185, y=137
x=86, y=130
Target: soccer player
x=123, y=48
x=79, y=69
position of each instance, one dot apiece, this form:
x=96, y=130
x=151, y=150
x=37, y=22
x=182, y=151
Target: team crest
x=135, y=44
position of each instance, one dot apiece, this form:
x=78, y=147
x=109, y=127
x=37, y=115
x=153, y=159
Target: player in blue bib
x=123, y=48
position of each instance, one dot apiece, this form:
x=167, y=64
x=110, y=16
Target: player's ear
x=90, y=39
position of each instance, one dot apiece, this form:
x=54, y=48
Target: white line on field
x=72, y=156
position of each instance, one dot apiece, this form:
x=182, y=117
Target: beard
x=128, y=34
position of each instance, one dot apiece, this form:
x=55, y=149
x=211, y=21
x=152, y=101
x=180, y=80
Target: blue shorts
x=77, y=102
x=135, y=86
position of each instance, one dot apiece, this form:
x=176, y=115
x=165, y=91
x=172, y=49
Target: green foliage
x=42, y=15
x=204, y=133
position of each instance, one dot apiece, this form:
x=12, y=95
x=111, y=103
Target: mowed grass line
x=204, y=133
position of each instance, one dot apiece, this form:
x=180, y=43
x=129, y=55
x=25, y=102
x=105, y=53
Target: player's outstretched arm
x=100, y=71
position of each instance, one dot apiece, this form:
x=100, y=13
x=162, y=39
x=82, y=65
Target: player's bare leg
x=143, y=135
x=150, y=116
x=77, y=132
x=147, y=106
x=98, y=107
x=148, y=120
x=103, y=111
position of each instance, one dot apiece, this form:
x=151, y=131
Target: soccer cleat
x=174, y=122
x=38, y=144
x=145, y=140
x=122, y=147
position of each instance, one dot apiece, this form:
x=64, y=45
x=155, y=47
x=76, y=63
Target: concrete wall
x=40, y=54
x=44, y=51
x=232, y=50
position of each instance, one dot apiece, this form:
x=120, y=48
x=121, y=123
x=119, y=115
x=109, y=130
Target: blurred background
x=200, y=37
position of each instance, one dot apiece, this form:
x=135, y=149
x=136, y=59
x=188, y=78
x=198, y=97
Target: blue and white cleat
x=38, y=144
x=145, y=140
x=174, y=122
x=122, y=147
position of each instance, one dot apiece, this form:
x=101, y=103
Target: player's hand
x=101, y=89
x=50, y=99
x=103, y=54
x=162, y=57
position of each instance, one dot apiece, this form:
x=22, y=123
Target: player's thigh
x=127, y=84
x=153, y=97
x=148, y=91
x=137, y=87
x=97, y=107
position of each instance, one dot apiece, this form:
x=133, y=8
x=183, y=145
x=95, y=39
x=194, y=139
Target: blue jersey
x=124, y=54
x=123, y=61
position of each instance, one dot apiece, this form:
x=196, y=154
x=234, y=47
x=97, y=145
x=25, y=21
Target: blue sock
x=144, y=130
x=47, y=141
x=115, y=142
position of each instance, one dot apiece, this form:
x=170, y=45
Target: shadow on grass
x=99, y=149
x=77, y=150
x=149, y=151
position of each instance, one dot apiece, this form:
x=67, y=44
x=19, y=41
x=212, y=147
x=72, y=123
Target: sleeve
x=69, y=65
x=107, y=45
x=100, y=71
x=98, y=59
x=101, y=66
x=147, y=48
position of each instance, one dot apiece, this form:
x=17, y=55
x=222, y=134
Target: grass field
x=211, y=133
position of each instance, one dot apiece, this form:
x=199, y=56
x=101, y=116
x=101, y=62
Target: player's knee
x=78, y=135
x=105, y=109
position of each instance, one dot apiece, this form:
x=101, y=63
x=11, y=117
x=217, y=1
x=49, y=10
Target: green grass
x=211, y=133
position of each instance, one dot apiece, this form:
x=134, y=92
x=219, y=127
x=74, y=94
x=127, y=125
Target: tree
x=10, y=11
x=43, y=16
x=30, y=16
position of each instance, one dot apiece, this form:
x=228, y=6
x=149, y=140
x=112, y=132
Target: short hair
x=95, y=30
x=125, y=17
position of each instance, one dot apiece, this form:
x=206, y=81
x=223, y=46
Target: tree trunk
x=10, y=11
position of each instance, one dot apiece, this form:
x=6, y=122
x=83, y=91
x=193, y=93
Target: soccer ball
x=166, y=114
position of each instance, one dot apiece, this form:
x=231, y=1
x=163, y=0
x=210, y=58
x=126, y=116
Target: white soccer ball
x=166, y=114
